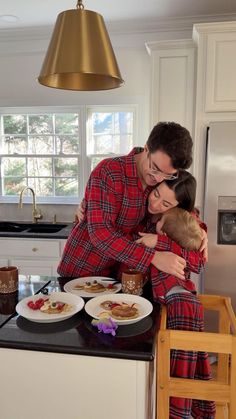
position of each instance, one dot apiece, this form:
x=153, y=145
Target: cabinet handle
x=35, y=249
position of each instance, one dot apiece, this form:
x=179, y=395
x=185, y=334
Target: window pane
x=39, y=166
x=13, y=185
x=102, y=122
x=95, y=161
x=66, y=166
x=13, y=144
x=111, y=133
x=123, y=122
x=40, y=124
x=66, y=123
x=66, y=187
x=123, y=143
x=40, y=145
x=14, y=124
x=66, y=144
x=41, y=186
x=101, y=144
x=14, y=166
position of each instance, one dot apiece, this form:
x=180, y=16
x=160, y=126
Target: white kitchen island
x=69, y=370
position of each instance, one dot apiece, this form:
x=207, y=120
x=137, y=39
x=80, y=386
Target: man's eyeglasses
x=156, y=171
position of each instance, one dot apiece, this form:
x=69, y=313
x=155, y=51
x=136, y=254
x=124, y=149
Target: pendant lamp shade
x=80, y=54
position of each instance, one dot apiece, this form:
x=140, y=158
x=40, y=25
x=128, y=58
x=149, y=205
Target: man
x=115, y=203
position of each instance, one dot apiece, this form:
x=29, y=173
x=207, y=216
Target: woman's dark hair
x=184, y=188
x=174, y=140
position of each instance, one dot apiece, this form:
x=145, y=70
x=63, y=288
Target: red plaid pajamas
x=184, y=312
x=115, y=205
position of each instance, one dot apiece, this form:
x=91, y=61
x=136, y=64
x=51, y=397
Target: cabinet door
x=127, y=395
x=36, y=267
x=220, y=72
x=172, y=81
x=32, y=248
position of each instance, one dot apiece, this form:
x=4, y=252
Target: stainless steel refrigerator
x=220, y=209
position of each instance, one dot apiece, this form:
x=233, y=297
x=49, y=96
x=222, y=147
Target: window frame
x=84, y=160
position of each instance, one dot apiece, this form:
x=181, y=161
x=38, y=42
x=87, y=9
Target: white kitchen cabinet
x=75, y=386
x=172, y=81
x=217, y=65
x=32, y=256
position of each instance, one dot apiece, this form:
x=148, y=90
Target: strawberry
x=36, y=305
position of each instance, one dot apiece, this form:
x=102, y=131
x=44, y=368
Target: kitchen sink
x=46, y=228
x=12, y=227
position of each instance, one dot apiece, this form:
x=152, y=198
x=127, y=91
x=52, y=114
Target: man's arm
x=104, y=197
x=195, y=260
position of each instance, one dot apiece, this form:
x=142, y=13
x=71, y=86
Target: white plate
x=93, y=307
x=70, y=286
x=38, y=316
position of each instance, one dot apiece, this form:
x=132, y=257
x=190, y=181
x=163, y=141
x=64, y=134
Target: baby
x=182, y=227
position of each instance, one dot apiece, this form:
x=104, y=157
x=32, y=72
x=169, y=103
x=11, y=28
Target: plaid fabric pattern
x=115, y=204
x=185, y=312
x=163, y=282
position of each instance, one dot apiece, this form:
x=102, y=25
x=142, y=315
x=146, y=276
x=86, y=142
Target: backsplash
x=63, y=213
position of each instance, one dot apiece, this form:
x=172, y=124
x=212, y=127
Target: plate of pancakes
x=122, y=308
x=50, y=308
x=92, y=286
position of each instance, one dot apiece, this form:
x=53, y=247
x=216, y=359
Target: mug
x=132, y=282
x=8, y=279
x=8, y=302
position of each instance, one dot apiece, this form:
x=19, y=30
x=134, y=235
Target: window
x=45, y=150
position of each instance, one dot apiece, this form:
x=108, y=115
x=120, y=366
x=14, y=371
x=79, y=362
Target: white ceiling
x=38, y=13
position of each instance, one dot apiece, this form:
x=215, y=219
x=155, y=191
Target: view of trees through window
x=44, y=150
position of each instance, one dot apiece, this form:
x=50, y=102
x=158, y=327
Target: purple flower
x=106, y=325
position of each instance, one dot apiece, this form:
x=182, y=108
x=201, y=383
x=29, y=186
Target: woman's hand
x=204, y=245
x=147, y=239
x=79, y=215
x=170, y=263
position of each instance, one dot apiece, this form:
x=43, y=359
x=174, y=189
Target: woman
x=184, y=311
x=180, y=193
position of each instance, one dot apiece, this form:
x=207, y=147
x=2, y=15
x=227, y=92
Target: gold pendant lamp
x=80, y=54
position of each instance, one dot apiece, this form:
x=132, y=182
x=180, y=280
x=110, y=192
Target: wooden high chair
x=221, y=389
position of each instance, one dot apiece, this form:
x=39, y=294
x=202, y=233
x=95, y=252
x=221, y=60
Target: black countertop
x=77, y=335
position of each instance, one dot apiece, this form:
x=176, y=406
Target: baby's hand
x=204, y=245
x=147, y=239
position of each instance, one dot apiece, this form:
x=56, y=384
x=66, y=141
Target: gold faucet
x=36, y=213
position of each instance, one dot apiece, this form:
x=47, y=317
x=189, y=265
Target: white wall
x=21, y=62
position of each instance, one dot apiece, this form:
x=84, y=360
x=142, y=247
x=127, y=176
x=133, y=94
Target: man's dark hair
x=174, y=140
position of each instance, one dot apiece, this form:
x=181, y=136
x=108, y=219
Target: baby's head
x=182, y=227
